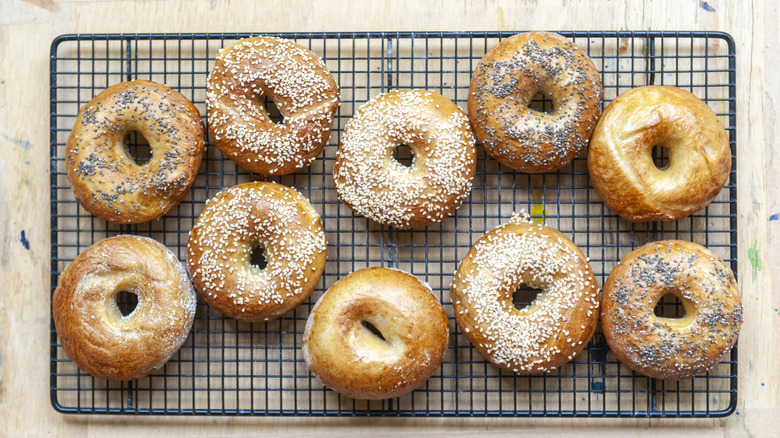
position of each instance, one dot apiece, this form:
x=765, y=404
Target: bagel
x=299, y=84
x=375, y=185
x=237, y=221
x=506, y=80
x=407, y=345
x=671, y=348
x=106, y=181
x=620, y=161
x=550, y=331
x=94, y=333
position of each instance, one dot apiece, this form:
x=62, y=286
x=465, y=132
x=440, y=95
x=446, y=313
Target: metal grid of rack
x=238, y=368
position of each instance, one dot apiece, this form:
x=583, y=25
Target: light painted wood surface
x=27, y=28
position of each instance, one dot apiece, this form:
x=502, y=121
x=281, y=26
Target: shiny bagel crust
x=375, y=185
x=300, y=86
x=106, y=181
x=550, y=331
x=268, y=215
x=94, y=333
x=620, y=159
x=671, y=348
x=344, y=353
x=506, y=81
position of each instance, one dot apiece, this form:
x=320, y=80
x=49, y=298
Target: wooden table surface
x=27, y=28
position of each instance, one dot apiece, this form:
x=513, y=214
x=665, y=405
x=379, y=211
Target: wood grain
x=26, y=31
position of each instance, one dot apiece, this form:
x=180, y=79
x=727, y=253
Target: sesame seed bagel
x=300, y=86
x=620, y=159
x=550, y=331
x=407, y=346
x=91, y=327
x=504, y=84
x=106, y=180
x=671, y=348
x=374, y=184
x=241, y=219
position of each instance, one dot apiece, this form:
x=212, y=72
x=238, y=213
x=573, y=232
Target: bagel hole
x=525, y=295
x=670, y=306
x=272, y=111
x=257, y=257
x=373, y=330
x=542, y=103
x=137, y=148
x=660, y=157
x=404, y=155
x=126, y=302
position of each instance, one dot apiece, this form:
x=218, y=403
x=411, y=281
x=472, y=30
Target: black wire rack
x=238, y=368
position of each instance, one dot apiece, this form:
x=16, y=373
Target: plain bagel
x=91, y=327
x=620, y=160
x=377, y=333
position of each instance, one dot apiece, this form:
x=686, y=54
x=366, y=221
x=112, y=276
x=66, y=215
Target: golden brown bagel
x=273, y=217
x=671, y=348
x=299, y=84
x=106, y=180
x=507, y=79
x=620, y=159
x=93, y=332
x=373, y=184
x=555, y=327
x=343, y=352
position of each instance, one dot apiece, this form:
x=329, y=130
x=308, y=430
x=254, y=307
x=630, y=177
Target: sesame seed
x=300, y=85
x=371, y=182
x=525, y=340
x=237, y=220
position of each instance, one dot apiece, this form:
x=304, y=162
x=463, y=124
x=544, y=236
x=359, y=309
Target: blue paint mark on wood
x=24, y=144
x=25, y=242
x=774, y=217
x=597, y=386
x=706, y=6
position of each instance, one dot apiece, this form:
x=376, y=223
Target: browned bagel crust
x=373, y=184
x=620, y=159
x=90, y=326
x=233, y=223
x=664, y=348
x=106, y=180
x=353, y=361
x=507, y=79
x=300, y=85
x=550, y=331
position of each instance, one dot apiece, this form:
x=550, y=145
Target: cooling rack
x=238, y=368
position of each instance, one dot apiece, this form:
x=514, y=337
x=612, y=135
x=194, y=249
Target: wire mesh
x=238, y=368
